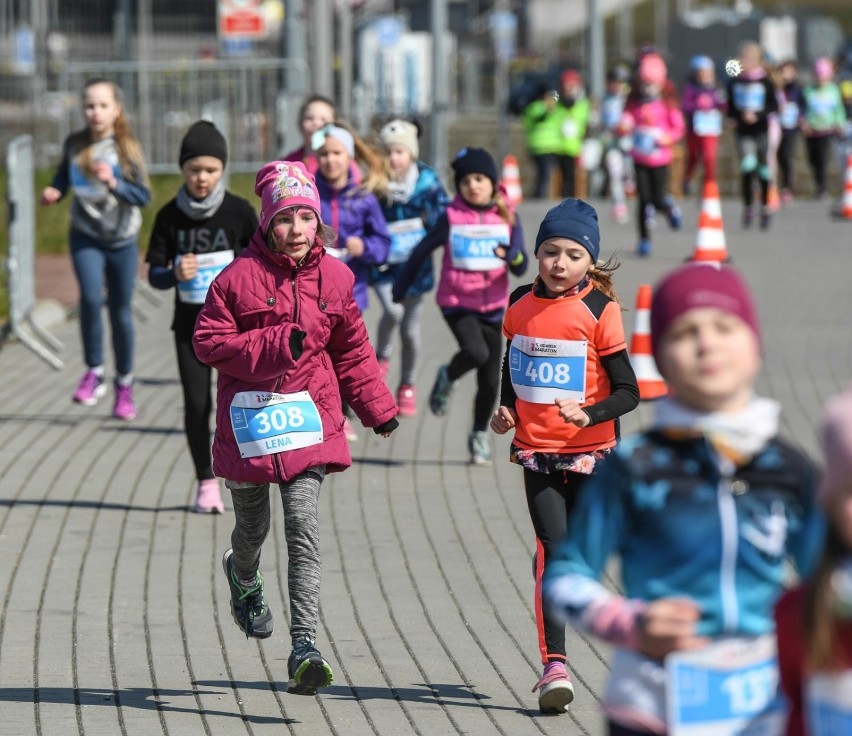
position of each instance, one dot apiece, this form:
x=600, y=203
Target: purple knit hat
x=837, y=446
x=283, y=184
x=699, y=285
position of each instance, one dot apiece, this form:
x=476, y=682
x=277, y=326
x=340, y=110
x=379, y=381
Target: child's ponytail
x=503, y=209
x=601, y=276
x=374, y=167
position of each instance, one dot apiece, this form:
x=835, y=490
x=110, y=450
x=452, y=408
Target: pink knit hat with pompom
x=284, y=184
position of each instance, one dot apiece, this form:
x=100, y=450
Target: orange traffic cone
x=511, y=181
x=710, y=244
x=846, y=205
x=651, y=383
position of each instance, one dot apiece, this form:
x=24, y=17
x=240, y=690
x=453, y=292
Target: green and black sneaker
x=248, y=606
x=308, y=669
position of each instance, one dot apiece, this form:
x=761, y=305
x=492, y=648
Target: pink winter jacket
x=654, y=126
x=244, y=330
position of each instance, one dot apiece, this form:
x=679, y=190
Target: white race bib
x=210, y=265
x=472, y=246
x=265, y=423
x=789, y=115
x=707, y=122
x=828, y=704
x=341, y=254
x=729, y=687
x=405, y=235
x=543, y=369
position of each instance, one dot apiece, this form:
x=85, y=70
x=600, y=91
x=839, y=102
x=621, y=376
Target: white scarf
x=746, y=432
x=402, y=191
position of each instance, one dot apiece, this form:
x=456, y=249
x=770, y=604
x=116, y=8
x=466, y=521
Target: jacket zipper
x=275, y=461
x=730, y=550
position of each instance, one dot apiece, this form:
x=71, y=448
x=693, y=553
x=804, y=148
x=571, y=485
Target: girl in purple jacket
x=352, y=210
x=482, y=241
x=281, y=326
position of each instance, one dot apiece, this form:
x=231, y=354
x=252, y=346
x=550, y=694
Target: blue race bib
x=828, y=704
x=405, y=235
x=210, y=265
x=789, y=115
x=750, y=96
x=729, y=687
x=707, y=122
x=472, y=246
x=543, y=369
x=265, y=423
x=644, y=140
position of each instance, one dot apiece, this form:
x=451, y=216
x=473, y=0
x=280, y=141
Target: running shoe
x=124, y=408
x=248, y=606
x=208, y=498
x=406, y=400
x=307, y=669
x=555, y=690
x=480, y=452
x=442, y=389
x=91, y=388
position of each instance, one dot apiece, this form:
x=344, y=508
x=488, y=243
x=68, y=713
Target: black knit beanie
x=203, y=139
x=474, y=161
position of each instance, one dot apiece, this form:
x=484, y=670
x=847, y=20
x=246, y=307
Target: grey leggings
x=301, y=532
x=407, y=317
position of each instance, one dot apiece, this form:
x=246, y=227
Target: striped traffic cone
x=510, y=180
x=710, y=244
x=651, y=383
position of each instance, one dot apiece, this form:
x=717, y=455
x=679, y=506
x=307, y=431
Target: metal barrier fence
x=20, y=263
x=163, y=98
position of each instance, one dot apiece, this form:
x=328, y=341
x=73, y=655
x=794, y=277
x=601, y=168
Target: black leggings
x=568, y=168
x=652, y=186
x=195, y=379
x=551, y=498
x=480, y=348
x=786, y=154
x=819, y=146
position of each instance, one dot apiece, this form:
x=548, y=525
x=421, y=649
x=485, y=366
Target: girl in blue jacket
x=417, y=199
x=704, y=511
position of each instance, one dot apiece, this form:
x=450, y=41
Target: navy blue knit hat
x=474, y=161
x=573, y=219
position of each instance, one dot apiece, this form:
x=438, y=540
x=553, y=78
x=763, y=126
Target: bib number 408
x=546, y=373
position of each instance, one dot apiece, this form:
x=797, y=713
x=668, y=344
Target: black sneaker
x=248, y=606
x=307, y=669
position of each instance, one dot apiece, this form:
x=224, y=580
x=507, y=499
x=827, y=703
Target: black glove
x=297, y=340
x=389, y=426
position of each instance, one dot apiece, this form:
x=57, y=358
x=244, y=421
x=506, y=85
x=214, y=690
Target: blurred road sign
x=504, y=27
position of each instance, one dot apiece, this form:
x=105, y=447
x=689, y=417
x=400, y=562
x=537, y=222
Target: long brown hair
x=130, y=157
x=373, y=164
x=821, y=650
x=601, y=275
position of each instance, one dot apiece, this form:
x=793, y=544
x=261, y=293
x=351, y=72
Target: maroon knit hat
x=698, y=285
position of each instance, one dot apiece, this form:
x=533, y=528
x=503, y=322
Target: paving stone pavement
x=113, y=608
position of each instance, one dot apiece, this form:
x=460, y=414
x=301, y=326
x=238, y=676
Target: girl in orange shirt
x=566, y=380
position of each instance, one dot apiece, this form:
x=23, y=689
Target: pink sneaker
x=620, y=215
x=406, y=400
x=124, y=407
x=208, y=499
x=384, y=368
x=555, y=690
x=349, y=431
x=786, y=197
x=91, y=388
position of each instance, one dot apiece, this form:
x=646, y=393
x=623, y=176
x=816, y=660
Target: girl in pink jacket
x=655, y=123
x=281, y=326
x=483, y=242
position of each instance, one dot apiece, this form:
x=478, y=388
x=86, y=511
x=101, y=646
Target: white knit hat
x=403, y=133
